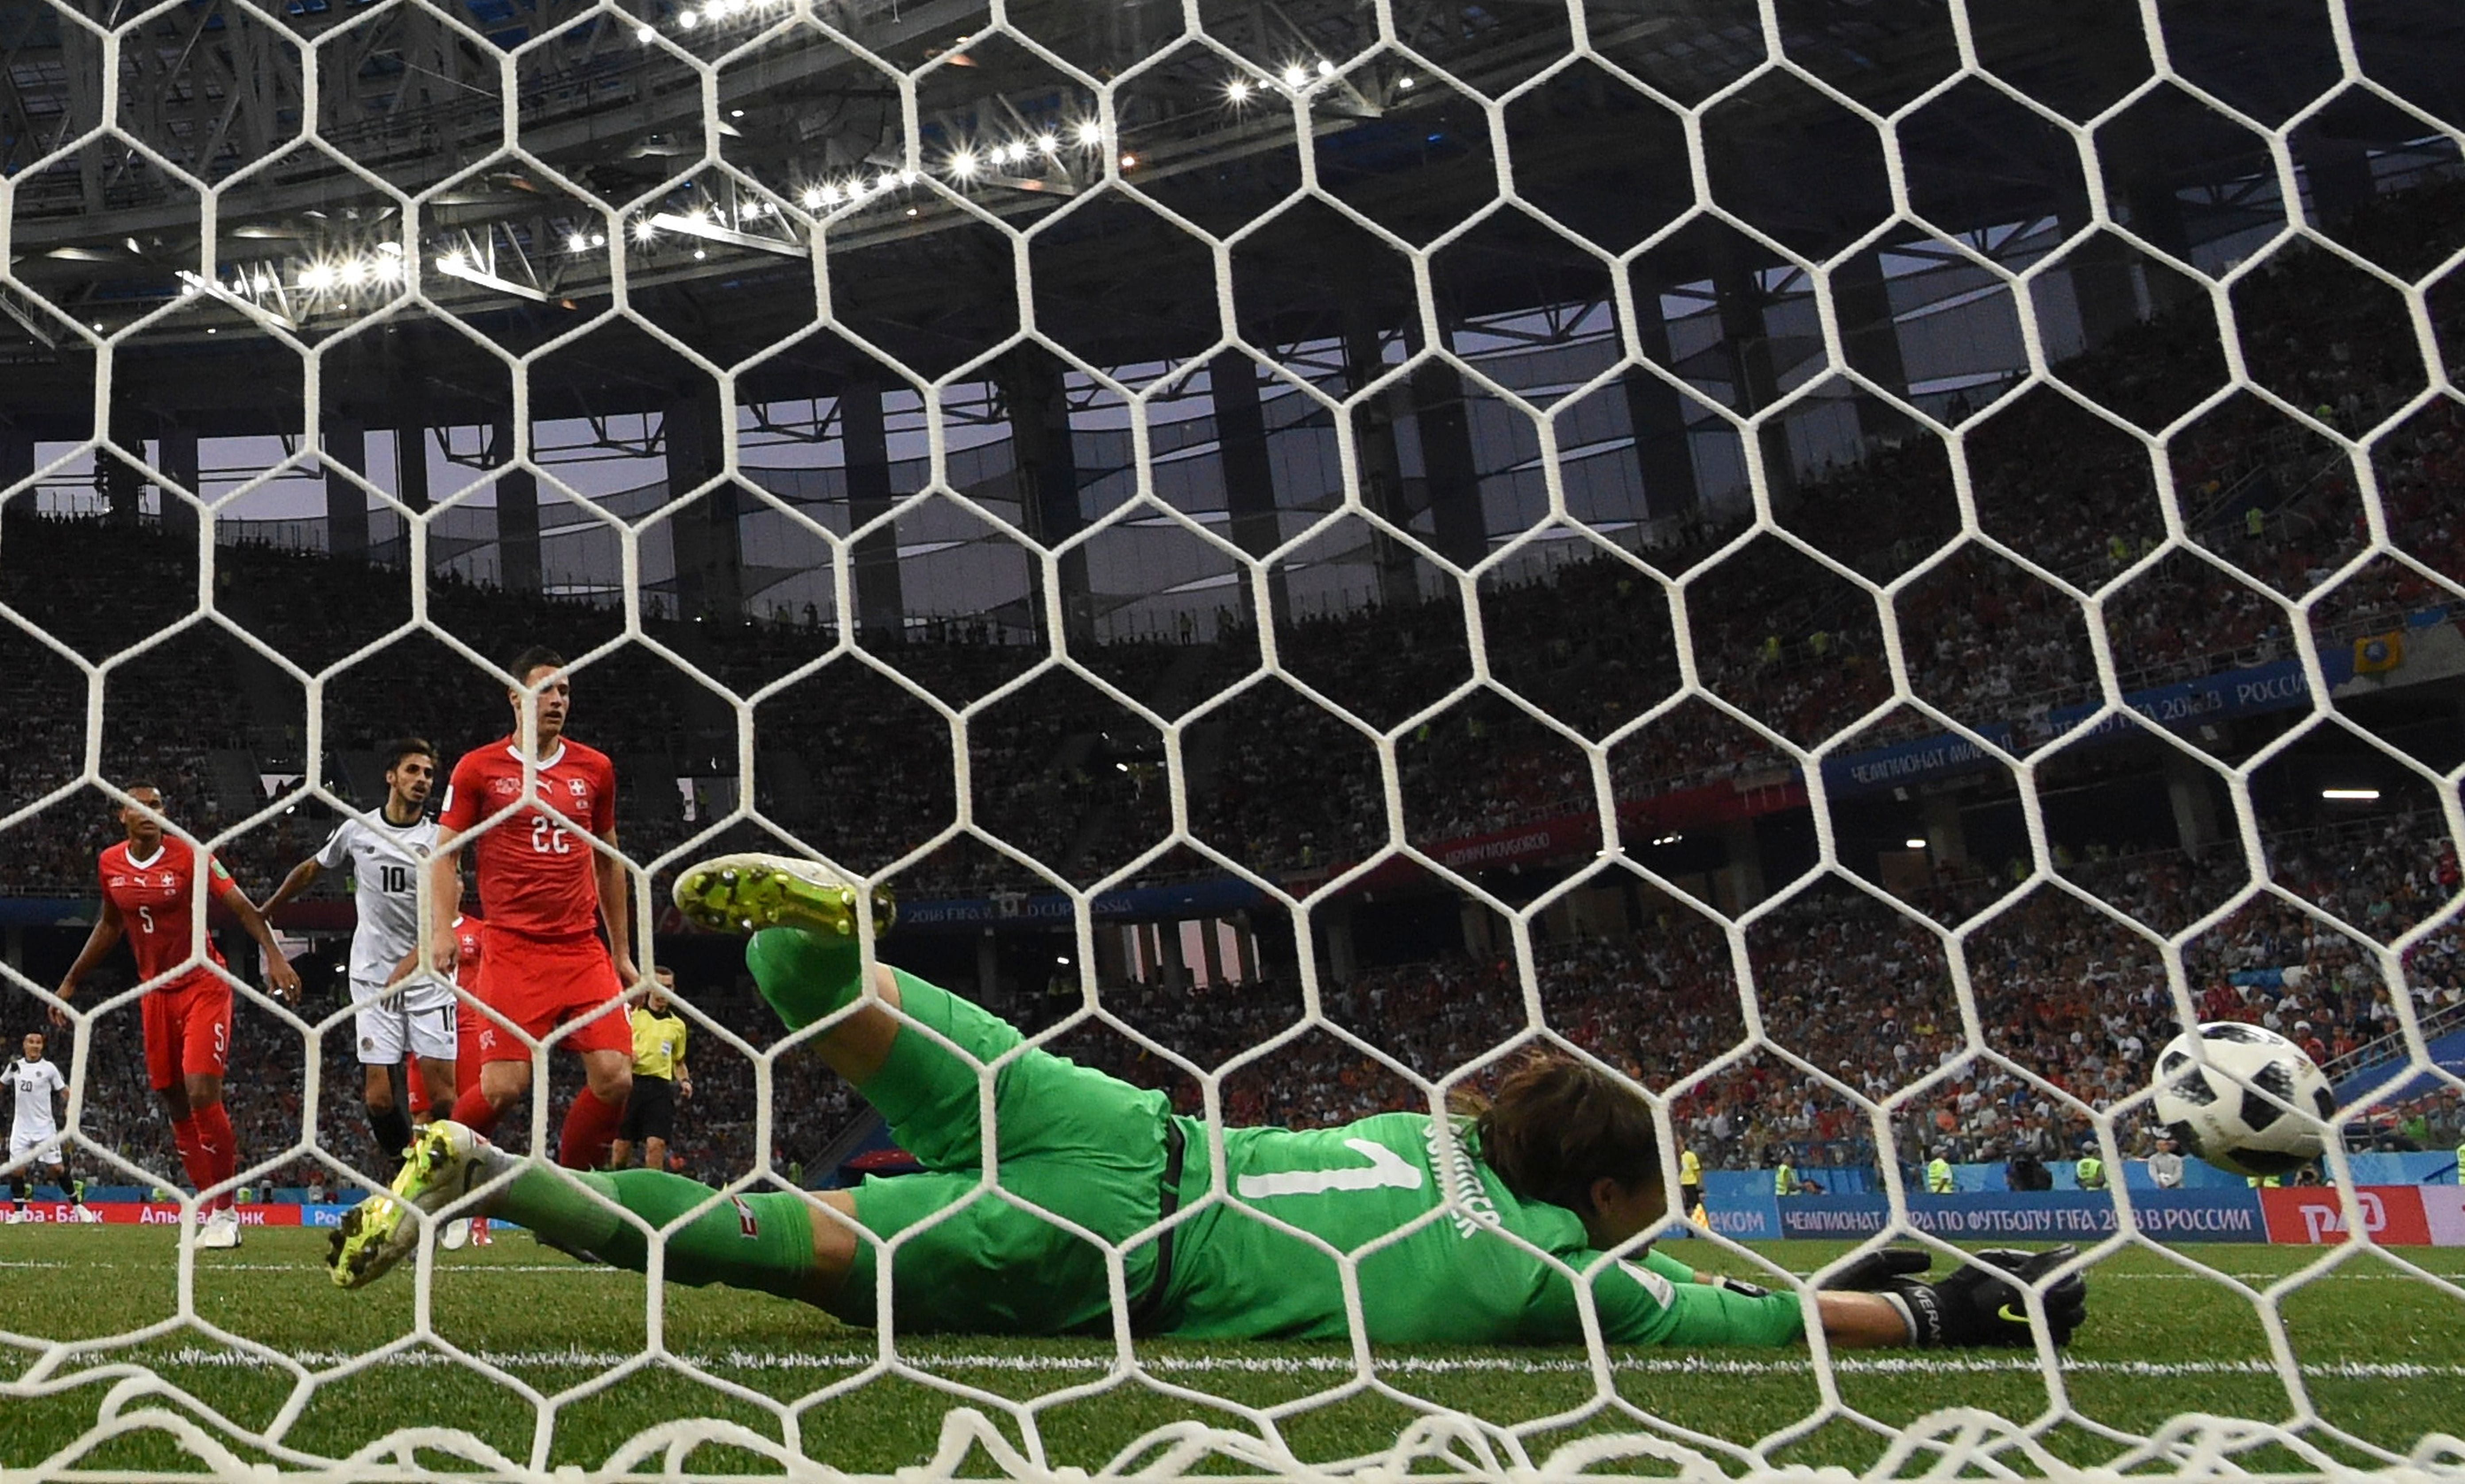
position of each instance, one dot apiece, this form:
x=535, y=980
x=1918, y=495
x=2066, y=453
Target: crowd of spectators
x=856, y=765
x=1059, y=773
x=1850, y=995
x=2071, y=1007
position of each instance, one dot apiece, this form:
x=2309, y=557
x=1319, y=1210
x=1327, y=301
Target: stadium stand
x=2079, y=1000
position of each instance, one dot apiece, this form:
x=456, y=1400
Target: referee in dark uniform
x=661, y=1080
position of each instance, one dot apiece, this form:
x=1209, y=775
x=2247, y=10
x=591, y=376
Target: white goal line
x=1332, y=1364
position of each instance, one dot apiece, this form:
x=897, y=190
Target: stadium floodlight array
x=934, y=181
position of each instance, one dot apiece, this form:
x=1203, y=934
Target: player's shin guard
x=761, y=1242
x=589, y=1125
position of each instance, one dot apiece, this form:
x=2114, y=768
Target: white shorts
x=47, y=1148
x=417, y=1019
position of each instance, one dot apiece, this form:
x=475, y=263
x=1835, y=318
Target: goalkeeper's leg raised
x=1072, y=1141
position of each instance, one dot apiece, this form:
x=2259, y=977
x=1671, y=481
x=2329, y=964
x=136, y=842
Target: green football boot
x=444, y=1165
x=746, y=894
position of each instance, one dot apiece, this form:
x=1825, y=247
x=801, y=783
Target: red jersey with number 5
x=535, y=866
x=157, y=902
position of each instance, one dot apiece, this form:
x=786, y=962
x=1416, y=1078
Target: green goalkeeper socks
x=762, y=1241
x=804, y=975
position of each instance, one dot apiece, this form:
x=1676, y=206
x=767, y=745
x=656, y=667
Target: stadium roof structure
x=897, y=137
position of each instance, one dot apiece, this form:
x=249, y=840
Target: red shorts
x=540, y=983
x=188, y=1029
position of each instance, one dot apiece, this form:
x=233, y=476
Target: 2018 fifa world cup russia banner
x=156, y=1213
x=2046, y=1216
x=2393, y=1215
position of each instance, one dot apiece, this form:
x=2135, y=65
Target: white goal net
x=1859, y=564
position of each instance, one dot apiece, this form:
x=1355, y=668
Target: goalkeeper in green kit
x=1563, y=1163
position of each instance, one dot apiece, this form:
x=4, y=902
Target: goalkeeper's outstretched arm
x=1860, y=1321
x=1570, y=1134
x=1885, y=1300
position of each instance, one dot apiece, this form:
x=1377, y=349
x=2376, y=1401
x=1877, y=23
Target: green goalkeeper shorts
x=1085, y=1148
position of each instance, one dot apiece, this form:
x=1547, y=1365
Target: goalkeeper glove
x=1740, y=1286
x=1981, y=1303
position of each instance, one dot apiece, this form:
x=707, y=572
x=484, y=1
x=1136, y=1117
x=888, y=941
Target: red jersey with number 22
x=536, y=865
x=157, y=902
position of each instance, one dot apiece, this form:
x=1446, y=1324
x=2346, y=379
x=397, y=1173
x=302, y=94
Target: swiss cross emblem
x=577, y=787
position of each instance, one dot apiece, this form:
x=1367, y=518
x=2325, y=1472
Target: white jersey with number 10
x=384, y=860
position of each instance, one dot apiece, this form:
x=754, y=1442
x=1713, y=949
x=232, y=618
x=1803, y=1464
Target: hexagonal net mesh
x=1854, y=565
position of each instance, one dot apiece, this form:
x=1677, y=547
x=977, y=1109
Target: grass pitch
x=2381, y=1356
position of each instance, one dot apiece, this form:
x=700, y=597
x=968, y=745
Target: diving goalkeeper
x=1563, y=1162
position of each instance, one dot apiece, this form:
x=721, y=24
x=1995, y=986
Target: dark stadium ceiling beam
x=613, y=56
x=43, y=332
x=613, y=53
x=646, y=113
x=623, y=116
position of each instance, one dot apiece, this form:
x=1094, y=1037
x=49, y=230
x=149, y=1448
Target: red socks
x=192, y=1159
x=473, y=1110
x=217, y=1141
x=589, y=1125
x=209, y=1149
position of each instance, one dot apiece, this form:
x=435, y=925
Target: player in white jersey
x=385, y=856
x=35, y=1133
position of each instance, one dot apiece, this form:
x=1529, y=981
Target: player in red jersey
x=542, y=962
x=467, y=1024
x=474, y=1032
x=149, y=883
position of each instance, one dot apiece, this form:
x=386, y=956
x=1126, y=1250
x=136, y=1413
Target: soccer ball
x=2221, y=1111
